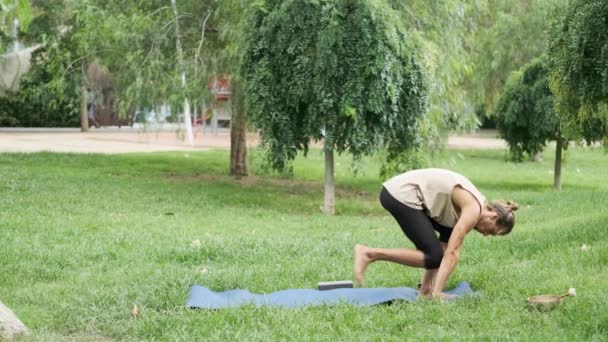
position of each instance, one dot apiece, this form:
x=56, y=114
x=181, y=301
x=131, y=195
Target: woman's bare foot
x=425, y=293
x=362, y=259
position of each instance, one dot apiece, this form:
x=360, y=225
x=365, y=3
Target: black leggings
x=419, y=228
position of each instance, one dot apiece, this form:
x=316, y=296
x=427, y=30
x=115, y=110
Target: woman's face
x=487, y=223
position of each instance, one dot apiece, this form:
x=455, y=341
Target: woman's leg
x=365, y=255
x=428, y=277
x=417, y=227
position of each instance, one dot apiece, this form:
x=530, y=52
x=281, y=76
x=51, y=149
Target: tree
x=525, y=116
x=343, y=72
x=40, y=100
x=87, y=30
x=239, y=165
x=445, y=29
x=224, y=50
x=209, y=33
x=10, y=10
x=153, y=50
x=60, y=28
x=509, y=35
x=579, y=62
x=15, y=17
x=47, y=95
x=139, y=43
x=470, y=48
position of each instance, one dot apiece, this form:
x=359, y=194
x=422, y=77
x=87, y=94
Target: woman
x=428, y=200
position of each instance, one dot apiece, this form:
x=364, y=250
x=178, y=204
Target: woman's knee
x=432, y=259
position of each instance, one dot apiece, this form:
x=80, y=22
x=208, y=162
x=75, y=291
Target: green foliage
x=41, y=101
x=343, y=71
x=470, y=48
x=510, y=34
x=136, y=42
x=49, y=95
x=24, y=13
x=403, y=162
x=9, y=10
x=5, y=39
x=264, y=168
x=48, y=18
x=524, y=114
x=579, y=78
x=445, y=29
x=39, y=104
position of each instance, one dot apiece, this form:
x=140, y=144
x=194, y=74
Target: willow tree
x=15, y=17
x=525, y=116
x=9, y=11
x=446, y=29
x=224, y=47
x=579, y=63
x=510, y=34
x=149, y=48
x=338, y=71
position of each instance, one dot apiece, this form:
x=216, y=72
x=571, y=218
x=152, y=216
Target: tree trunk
x=329, y=203
x=557, y=173
x=194, y=115
x=188, y=122
x=180, y=61
x=238, y=133
x=84, y=117
x=10, y=325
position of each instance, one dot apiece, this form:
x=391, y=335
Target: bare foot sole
x=361, y=262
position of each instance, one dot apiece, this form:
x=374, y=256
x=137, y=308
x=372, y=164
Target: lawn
x=85, y=237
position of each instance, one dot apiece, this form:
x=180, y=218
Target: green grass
x=84, y=237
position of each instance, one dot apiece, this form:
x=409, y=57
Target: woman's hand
x=443, y=296
x=469, y=216
x=430, y=295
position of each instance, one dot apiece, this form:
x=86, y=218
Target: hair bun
x=512, y=205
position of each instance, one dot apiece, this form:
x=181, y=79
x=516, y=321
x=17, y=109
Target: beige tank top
x=431, y=190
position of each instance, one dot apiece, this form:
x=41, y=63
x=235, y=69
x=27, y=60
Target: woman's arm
x=469, y=215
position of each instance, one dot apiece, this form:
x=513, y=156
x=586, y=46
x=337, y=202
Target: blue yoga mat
x=202, y=298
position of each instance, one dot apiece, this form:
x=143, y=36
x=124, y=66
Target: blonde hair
x=506, y=214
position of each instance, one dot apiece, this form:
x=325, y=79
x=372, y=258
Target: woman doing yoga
x=426, y=201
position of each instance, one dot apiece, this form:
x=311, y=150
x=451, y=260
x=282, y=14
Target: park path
x=109, y=140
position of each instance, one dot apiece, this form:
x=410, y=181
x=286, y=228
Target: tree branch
x=69, y=67
x=200, y=43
